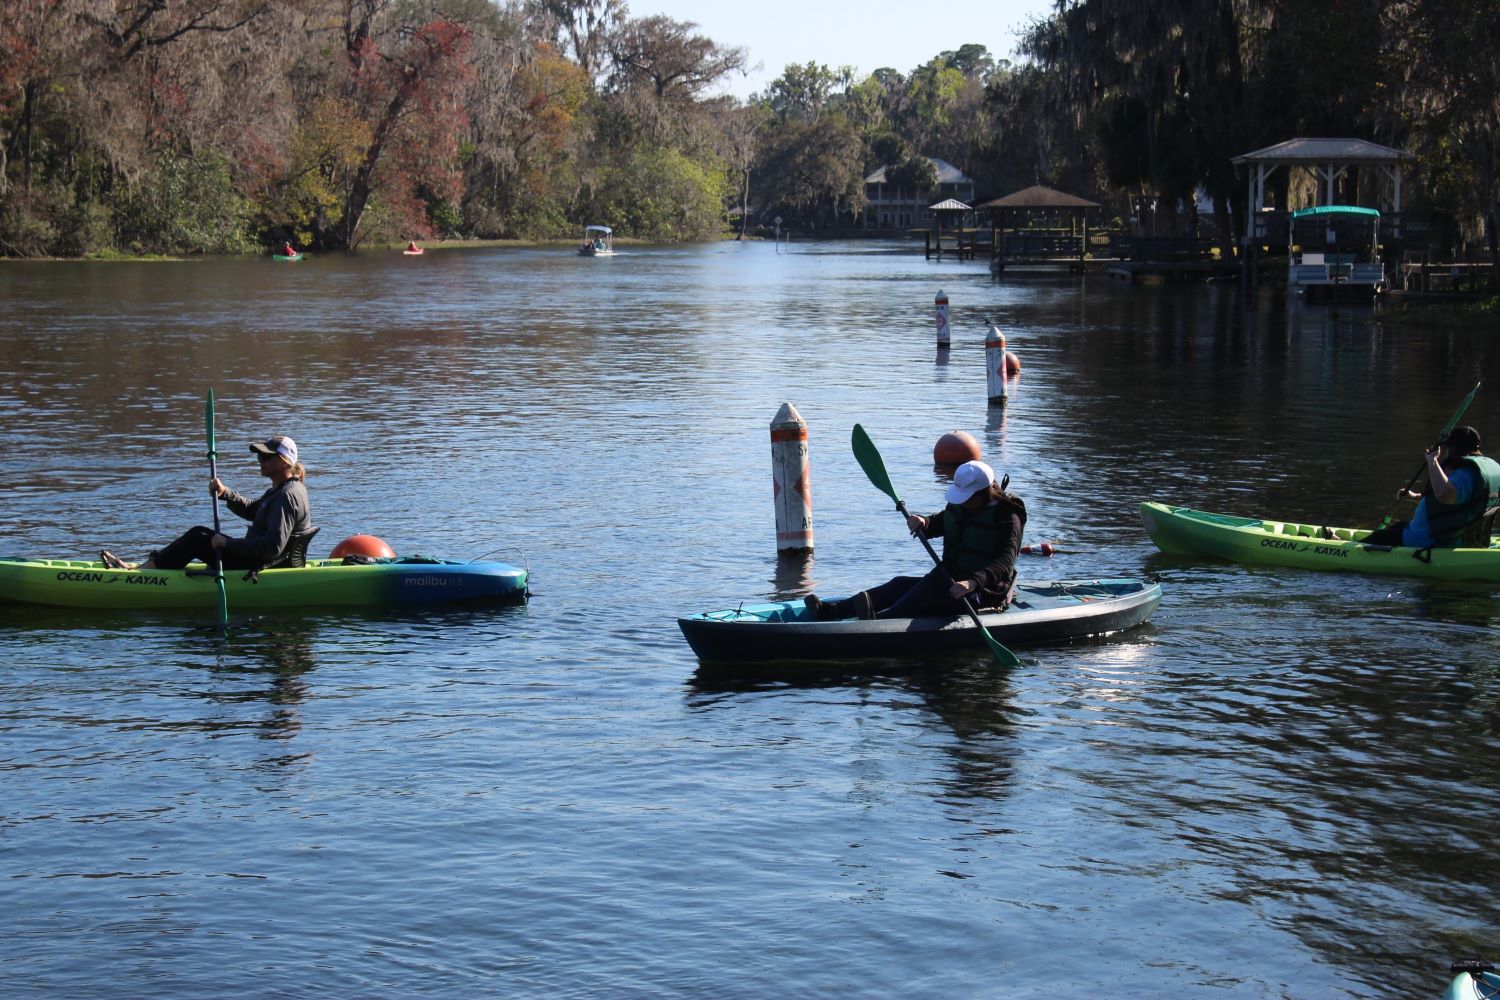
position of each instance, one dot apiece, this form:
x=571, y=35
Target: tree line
x=220, y=126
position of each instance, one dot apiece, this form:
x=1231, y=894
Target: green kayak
x=1184, y=531
x=382, y=583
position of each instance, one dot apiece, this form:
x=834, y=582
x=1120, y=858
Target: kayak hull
x=1478, y=985
x=322, y=582
x=1043, y=613
x=1184, y=531
x=282, y=256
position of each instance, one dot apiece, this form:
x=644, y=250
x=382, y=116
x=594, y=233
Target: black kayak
x=1043, y=613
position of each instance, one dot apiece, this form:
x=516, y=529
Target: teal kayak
x=1184, y=531
x=1475, y=980
x=322, y=582
x=1043, y=613
x=282, y=256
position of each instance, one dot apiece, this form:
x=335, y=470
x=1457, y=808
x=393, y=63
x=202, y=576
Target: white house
x=888, y=208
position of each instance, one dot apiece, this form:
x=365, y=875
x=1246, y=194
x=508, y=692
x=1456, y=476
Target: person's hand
x=962, y=589
x=1405, y=494
x=917, y=523
x=1433, y=453
x=219, y=541
x=216, y=488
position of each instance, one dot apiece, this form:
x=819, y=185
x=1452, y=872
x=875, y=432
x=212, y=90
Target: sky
x=866, y=35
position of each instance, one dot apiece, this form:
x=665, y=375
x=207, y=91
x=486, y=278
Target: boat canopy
x=597, y=229
x=1307, y=213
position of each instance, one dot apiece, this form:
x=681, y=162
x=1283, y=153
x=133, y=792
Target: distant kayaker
x=279, y=513
x=287, y=250
x=412, y=247
x=1461, y=484
x=981, y=530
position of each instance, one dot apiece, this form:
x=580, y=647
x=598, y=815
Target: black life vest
x=972, y=541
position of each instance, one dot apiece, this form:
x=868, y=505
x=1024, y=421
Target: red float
x=1012, y=365
x=955, y=448
x=362, y=545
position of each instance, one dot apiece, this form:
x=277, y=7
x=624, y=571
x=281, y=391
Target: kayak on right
x=1185, y=531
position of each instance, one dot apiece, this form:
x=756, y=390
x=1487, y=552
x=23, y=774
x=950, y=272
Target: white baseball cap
x=278, y=445
x=969, y=479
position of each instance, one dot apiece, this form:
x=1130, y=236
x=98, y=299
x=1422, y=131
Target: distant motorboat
x=598, y=241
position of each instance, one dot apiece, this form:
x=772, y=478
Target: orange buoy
x=955, y=448
x=1044, y=549
x=362, y=545
x=1012, y=365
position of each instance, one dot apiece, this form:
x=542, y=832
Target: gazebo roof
x=1295, y=151
x=1037, y=196
x=949, y=205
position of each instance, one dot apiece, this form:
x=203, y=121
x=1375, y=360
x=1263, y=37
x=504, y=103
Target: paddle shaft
x=213, y=473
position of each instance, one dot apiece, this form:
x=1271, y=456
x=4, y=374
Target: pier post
x=995, y=364
x=940, y=310
x=791, y=481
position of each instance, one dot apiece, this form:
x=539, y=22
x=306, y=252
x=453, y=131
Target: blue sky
x=866, y=35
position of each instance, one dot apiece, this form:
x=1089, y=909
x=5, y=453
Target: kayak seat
x=1477, y=534
x=294, y=556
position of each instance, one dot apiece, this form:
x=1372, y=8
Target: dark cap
x=278, y=445
x=1462, y=440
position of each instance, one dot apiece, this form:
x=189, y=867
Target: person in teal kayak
x=287, y=250
x=981, y=530
x=1461, y=485
x=275, y=517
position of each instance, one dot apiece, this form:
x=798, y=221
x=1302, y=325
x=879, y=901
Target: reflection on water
x=1283, y=774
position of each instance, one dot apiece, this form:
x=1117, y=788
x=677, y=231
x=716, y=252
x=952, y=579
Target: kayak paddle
x=213, y=472
x=1442, y=436
x=869, y=459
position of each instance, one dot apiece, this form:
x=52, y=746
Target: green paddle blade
x=1002, y=655
x=869, y=459
x=208, y=422
x=1448, y=428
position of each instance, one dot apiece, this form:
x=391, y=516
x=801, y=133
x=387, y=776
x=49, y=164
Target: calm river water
x=1285, y=785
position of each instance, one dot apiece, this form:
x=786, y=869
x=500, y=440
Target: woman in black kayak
x=981, y=530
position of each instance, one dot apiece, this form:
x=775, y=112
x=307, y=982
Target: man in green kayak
x=280, y=513
x=981, y=530
x=1461, y=485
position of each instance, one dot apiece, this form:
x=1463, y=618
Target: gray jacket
x=281, y=512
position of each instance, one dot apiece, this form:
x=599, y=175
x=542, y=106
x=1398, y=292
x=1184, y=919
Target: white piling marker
x=994, y=362
x=940, y=306
x=791, y=481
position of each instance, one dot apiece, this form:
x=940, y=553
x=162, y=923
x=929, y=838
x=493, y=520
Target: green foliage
x=661, y=195
x=915, y=173
x=186, y=204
